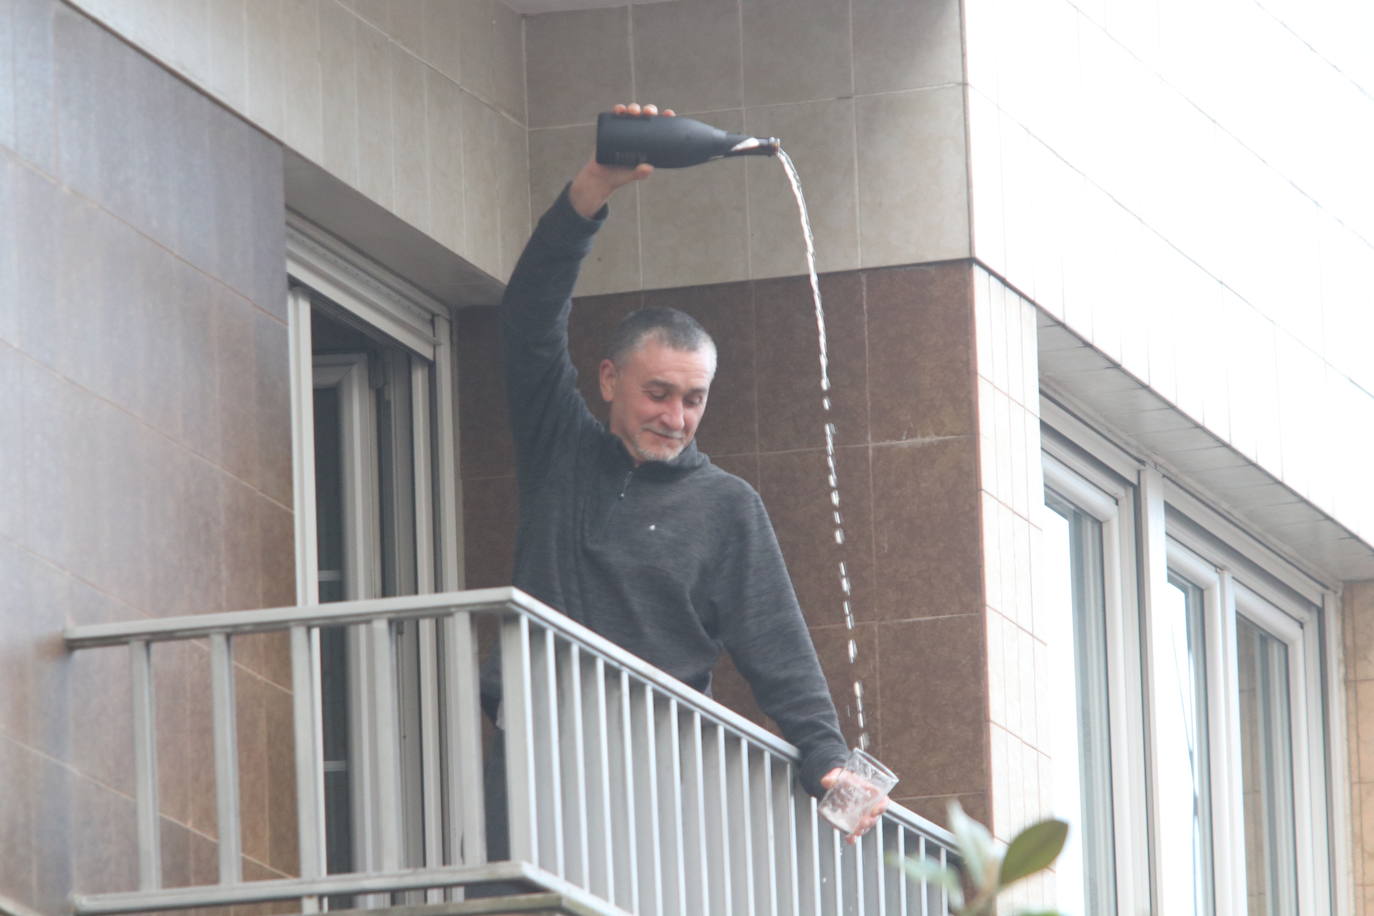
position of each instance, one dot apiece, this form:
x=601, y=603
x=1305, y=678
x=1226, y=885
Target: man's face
x=657, y=398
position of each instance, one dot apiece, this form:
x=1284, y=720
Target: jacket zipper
x=608, y=518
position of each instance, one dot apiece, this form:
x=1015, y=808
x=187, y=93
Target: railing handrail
x=336, y=613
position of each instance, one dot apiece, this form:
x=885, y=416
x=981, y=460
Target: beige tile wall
x=1012, y=500
x=1358, y=617
x=867, y=97
x=419, y=104
x=1200, y=219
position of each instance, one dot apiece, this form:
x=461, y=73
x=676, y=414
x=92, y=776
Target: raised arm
x=540, y=381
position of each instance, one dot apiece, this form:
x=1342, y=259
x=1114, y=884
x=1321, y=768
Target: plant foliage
x=980, y=870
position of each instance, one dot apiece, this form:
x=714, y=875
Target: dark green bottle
x=670, y=142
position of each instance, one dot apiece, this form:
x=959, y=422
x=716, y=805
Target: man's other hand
x=595, y=183
x=869, y=819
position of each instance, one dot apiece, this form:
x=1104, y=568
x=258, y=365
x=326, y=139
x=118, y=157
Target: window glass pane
x=328, y=495
x=1181, y=785
x=1267, y=771
x=1081, y=744
x=329, y=528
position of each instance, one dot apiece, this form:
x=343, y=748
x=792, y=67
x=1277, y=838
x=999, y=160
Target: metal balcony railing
x=628, y=791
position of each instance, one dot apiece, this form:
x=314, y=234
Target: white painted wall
x=1186, y=184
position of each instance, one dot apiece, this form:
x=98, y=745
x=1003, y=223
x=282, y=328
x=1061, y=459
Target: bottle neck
x=755, y=146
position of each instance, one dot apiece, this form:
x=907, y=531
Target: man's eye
x=656, y=395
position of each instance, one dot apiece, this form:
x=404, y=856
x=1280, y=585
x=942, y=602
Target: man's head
x=655, y=377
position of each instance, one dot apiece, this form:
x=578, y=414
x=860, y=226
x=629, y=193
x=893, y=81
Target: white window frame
x=1240, y=574
x=1110, y=499
x=1289, y=605
x=1223, y=728
x=422, y=325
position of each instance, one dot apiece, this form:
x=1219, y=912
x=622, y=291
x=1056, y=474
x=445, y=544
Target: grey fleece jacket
x=671, y=560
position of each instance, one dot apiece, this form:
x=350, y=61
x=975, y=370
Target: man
x=627, y=527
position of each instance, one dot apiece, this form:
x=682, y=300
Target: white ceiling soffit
x=534, y=7
x=1074, y=372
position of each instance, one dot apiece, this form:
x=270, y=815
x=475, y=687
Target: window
x=1182, y=780
x=1076, y=636
x=1195, y=768
x=376, y=509
x=1266, y=742
x=1260, y=782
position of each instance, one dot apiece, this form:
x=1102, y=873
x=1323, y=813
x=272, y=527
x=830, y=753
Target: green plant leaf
x=931, y=872
x=1032, y=849
x=975, y=846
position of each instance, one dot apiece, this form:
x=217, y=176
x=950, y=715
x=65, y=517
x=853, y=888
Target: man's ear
x=609, y=374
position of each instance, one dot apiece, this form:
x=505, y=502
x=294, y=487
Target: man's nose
x=673, y=415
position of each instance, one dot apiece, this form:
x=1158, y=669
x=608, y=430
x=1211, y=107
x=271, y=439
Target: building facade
x=1093, y=279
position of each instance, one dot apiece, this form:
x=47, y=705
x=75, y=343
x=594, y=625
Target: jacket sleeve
x=760, y=623
x=541, y=384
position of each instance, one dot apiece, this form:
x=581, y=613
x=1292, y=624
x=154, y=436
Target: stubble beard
x=652, y=446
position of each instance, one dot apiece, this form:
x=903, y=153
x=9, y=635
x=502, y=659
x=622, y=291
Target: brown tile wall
x=145, y=452
x=902, y=365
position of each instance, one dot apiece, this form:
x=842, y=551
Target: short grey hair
x=672, y=327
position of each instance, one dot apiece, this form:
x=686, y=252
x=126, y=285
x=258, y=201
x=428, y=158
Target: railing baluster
x=927, y=888
x=387, y=736
x=466, y=816
x=719, y=824
x=226, y=759
x=696, y=870
x=547, y=740
x=761, y=815
x=670, y=804
x=600, y=829
x=305, y=707
x=876, y=882
x=516, y=705
x=645, y=806
x=784, y=833
x=623, y=775
x=740, y=812
x=573, y=764
x=941, y=892
x=145, y=766
x=858, y=895
x=808, y=854
x=832, y=871
x=431, y=784
x=891, y=863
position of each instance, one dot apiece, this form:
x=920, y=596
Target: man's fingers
x=867, y=823
x=636, y=109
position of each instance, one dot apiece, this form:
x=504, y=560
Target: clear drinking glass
x=862, y=782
